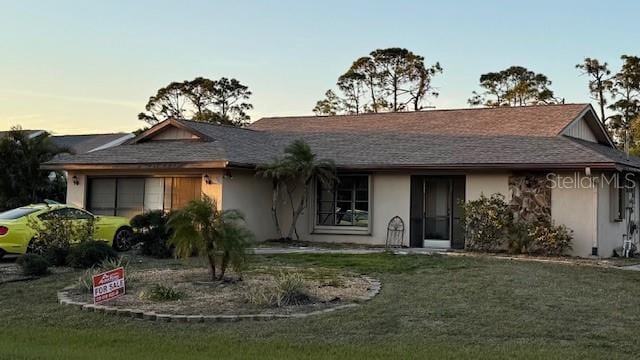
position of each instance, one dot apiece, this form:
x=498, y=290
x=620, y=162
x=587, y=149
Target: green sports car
x=16, y=235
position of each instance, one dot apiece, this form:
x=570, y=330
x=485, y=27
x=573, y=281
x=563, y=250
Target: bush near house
x=487, y=221
x=549, y=239
x=151, y=231
x=491, y=226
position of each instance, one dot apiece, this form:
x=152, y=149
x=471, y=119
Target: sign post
x=108, y=285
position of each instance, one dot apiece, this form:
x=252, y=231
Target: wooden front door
x=183, y=190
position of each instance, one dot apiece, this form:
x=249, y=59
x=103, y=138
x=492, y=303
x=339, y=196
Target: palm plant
x=277, y=172
x=299, y=165
x=220, y=236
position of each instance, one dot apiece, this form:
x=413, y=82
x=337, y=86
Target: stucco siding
x=251, y=195
x=576, y=207
x=214, y=189
x=487, y=184
x=610, y=233
x=76, y=194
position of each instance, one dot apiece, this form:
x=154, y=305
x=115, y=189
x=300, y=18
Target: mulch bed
x=200, y=296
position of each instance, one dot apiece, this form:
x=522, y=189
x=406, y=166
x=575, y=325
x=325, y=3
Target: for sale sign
x=108, y=285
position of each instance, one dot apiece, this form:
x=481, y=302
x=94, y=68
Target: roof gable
x=170, y=129
x=547, y=120
x=588, y=127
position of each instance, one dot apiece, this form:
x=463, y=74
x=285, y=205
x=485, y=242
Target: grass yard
x=430, y=307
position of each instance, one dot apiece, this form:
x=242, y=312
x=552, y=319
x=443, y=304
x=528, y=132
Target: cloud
x=117, y=102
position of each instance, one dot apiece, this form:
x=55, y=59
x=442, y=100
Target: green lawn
x=430, y=307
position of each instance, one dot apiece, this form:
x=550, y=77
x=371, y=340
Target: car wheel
x=122, y=240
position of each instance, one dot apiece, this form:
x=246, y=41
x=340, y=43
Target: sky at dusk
x=89, y=66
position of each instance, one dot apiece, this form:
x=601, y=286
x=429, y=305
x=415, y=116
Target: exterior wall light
x=207, y=179
x=75, y=180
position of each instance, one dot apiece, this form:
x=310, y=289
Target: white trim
x=35, y=134
x=439, y=244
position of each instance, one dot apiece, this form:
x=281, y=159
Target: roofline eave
x=137, y=166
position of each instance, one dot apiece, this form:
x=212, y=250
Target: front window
x=346, y=203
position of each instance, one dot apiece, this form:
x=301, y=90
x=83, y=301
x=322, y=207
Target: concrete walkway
x=351, y=251
x=631, y=267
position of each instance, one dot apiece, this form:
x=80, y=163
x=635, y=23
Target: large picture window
x=344, y=204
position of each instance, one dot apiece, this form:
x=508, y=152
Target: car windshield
x=17, y=213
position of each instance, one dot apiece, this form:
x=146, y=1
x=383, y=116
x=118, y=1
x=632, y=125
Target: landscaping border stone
x=64, y=299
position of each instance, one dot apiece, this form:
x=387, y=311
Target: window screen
x=102, y=196
x=153, y=194
x=130, y=197
x=344, y=204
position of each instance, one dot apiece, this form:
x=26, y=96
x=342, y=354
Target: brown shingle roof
x=547, y=120
x=416, y=145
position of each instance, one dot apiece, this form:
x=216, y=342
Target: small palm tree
x=218, y=235
x=299, y=165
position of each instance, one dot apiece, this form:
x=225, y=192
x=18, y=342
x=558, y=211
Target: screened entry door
x=437, y=212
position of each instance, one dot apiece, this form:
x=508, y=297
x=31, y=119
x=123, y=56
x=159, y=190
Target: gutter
x=373, y=167
x=137, y=166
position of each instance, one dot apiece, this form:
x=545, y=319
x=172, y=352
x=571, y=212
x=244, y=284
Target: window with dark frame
x=619, y=198
x=346, y=203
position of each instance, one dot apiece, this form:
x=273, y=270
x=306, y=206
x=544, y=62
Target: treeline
x=397, y=79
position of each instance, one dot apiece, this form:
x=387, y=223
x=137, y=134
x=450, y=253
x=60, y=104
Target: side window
x=67, y=214
x=76, y=214
x=51, y=214
x=617, y=199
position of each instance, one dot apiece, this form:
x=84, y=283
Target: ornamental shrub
x=33, y=265
x=90, y=253
x=159, y=292
x=54, y=235
x=150, y=230
x=486, y=223
x=549, y=239
x=288, y=289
